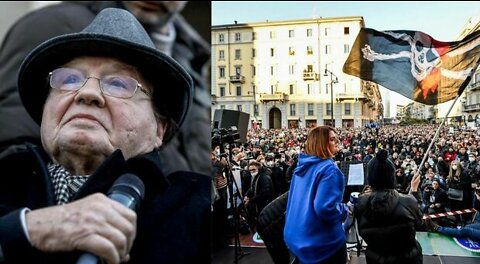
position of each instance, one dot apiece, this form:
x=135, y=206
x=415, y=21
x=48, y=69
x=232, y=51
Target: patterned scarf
x=65, y=184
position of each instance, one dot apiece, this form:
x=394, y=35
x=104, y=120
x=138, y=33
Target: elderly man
x=106, y=100
x=189, y=149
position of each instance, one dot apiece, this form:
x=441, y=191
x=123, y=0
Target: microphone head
x=132, y=181
x=128, y=185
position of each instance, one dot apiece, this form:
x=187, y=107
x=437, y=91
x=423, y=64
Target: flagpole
x=460, y=91
x=436, y=134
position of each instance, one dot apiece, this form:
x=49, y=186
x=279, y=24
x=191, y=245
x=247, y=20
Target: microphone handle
x=127, y=201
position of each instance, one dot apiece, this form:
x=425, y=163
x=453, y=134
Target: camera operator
x=219, y=215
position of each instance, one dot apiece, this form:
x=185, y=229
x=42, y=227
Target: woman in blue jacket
x=315, y=212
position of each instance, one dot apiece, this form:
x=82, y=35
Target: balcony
x=350, y=96
x=474, y=86
x=310, y=76
x=237, y=78
x=471, y=108
x=276, y=97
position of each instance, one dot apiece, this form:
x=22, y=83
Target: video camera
x=223, y=135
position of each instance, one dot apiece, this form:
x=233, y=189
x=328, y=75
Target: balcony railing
x=474, y=86
x=276, y=97
x=237, y=78
x=351, y=96
x=472, y=107
x=310, y=76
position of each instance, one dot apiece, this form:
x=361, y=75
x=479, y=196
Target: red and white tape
x=456, y=212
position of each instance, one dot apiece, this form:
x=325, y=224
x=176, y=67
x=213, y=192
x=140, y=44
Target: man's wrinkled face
x=90, y=123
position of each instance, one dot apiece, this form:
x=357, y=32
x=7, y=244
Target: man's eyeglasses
x=69, y=79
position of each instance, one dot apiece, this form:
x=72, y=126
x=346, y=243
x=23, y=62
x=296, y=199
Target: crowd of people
x=448, y=177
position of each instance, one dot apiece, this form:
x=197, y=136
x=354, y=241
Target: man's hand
x=94, y=224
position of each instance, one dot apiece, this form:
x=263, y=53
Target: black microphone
x=128, y=190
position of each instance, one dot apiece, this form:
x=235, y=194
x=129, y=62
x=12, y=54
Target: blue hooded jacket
x=313, y=225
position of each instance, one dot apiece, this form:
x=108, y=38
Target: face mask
x=471, y=159
x=254, y=174
x=270, y=163
x=454, y=167
x=282, y=159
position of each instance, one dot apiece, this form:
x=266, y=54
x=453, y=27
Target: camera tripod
x=239, y=253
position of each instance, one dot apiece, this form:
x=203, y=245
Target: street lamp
x=332, y=81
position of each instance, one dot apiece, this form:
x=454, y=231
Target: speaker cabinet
x=224, y=118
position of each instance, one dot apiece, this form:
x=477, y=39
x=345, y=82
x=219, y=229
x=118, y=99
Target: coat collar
x=146, y=167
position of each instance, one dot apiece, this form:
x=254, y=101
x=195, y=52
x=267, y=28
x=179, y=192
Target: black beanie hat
x=381, y=171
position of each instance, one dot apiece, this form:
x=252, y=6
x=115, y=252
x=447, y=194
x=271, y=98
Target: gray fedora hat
x=113, y=33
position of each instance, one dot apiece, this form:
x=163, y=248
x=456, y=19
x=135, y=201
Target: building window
x=238, y=54
x=222, y=90
x=291, y=89
x=222, y=106
x=326, y=88
x=346, y=48
x=292, y=110
x=254, y=35
x=239, y=107
x=221, y=38
x=329, y=109
x=310, y=109
x=221, y=72
x=309, y=88
x=221, y=55
x=328, y=49
x=239, y=90
x=254, y=70
x=272, y=70
x=309, y=32
x=309, y=68
x=309, y=50
x=477, y=77
x=253, y=53
x=272, y=34
x=346, y=31
x=327, y=31
x=272, y=52
x=291, y=51
x=291, y=69
x=237, y=37
x=271, y=89
x=238, y=70
x=291, y=33
x=255, y=109
x=348, y=109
